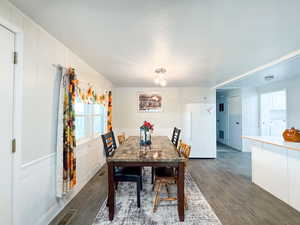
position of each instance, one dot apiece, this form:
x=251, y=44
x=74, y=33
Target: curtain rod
x=58, y=66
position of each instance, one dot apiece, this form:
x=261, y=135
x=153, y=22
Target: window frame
x=95, y=115
x=89, y=116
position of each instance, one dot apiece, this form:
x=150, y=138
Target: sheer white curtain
x=60, y=133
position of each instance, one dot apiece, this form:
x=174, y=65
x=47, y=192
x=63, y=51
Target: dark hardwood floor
x=225, y=183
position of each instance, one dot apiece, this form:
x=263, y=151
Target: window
x=273, y=113
x=80, y=120
x=98, y=119
x=90, y=120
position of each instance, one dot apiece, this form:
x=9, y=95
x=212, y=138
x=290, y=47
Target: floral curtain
x=109, y=112
x=90, y=96
x=66, y=141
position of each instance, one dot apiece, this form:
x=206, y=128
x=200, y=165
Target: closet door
x=6, y=121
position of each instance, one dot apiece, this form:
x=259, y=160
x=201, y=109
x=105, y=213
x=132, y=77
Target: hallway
x=225, y=148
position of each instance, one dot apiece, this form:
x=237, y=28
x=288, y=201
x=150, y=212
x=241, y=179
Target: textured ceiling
x=199, y=42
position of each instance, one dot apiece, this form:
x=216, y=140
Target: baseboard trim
x=202, y=158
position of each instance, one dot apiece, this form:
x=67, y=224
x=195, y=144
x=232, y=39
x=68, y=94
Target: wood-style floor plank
x=225, y=183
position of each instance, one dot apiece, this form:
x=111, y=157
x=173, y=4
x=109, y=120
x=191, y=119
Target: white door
x=6, y=121
x=235, y=122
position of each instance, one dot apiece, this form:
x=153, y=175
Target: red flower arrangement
x=147, y=126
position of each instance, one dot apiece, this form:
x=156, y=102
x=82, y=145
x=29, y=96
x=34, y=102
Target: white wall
x=36, y=200
x=128, y=120
x=293, y=96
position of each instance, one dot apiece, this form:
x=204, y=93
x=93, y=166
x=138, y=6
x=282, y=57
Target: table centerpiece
x=145, y=134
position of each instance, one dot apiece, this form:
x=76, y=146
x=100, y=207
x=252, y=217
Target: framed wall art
x=149, y=102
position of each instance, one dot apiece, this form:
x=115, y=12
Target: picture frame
x=149, y=102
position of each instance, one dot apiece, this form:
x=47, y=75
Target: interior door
x=6, y=121
x=235, y=122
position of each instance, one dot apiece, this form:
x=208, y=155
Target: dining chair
x=165, y=176
x=175, y=136
x=122, y=174
x=174, y=140
x=121, y=138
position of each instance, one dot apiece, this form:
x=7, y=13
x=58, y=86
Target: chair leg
x=157, y=197
x=185, y=203
x=154, y=186
x=138, y=190
x=152, y=174
x=116, y=185
x=141, y=183
x=168, y=190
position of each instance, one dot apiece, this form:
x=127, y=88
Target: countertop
x=277, y=141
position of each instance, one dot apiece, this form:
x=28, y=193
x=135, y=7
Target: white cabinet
x=277, y=170
x=274, y=170
x=294, y=178
x=199, y=129
x=257, y=162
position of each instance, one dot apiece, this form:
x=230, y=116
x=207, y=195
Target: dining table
x=161, y=153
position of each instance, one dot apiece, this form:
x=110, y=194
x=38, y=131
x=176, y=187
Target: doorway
x=7, y=90
x=273, y=113
x=229, y=120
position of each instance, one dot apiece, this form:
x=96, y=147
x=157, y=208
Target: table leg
x=180, y=191
x=111, y=191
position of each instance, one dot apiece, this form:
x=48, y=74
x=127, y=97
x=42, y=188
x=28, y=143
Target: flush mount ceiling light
x=159, y=79
x=269, y=78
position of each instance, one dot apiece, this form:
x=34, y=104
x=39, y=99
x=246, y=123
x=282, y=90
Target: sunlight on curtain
x=66, y=141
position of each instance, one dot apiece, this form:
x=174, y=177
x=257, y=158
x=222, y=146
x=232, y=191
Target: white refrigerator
x=199, y=129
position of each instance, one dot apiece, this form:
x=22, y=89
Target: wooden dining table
x=161, y=154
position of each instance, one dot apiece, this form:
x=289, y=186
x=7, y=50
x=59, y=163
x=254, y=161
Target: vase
x=291, y=135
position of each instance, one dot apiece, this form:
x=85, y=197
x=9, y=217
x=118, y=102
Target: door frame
x=17, y=116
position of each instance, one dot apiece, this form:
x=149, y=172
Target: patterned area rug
x=199, y=211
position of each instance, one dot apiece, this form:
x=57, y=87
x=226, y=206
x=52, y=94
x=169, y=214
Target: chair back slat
x=184, y=150
x=109, y=143
x=175, y=136
x=121, y=138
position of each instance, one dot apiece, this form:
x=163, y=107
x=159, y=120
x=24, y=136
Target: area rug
x=199, y=211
